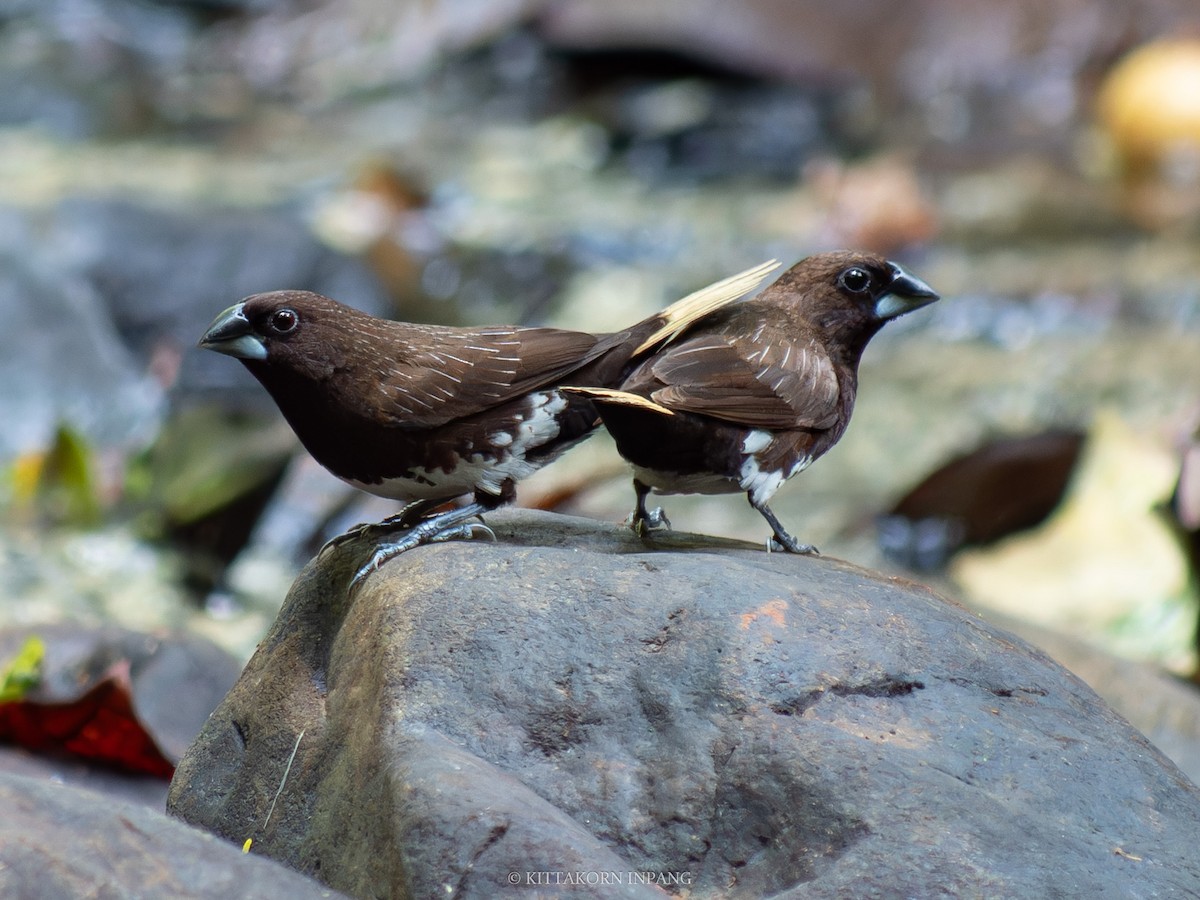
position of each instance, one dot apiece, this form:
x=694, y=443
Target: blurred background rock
x=582, y=163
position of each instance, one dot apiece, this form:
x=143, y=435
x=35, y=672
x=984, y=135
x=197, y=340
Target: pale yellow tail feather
x=621, y=398
x=682, y=313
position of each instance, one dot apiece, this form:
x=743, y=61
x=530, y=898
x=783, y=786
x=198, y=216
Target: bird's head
x=850, y=295
x=294, y=330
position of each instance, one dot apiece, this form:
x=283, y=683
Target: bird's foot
x=406, y=518
x=785, y=543
x=782, y=540
x=430, y=531
x=644, y=521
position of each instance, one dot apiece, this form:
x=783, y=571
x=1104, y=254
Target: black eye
x=284, y=321
x=855, y=280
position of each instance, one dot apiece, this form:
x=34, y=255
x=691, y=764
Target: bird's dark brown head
x=321, y=361
x=294, y=330
x=848, y=295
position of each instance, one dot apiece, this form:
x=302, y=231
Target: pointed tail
x=695, y=306
x=610, y=359
x=606, y=397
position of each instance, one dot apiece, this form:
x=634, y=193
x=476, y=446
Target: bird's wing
x=749, y=380
x=450, y=374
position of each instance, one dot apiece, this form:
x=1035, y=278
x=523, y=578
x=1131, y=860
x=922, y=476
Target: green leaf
x=24, y=671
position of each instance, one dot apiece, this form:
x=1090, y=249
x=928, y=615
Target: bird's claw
x=467, y=531
x=408, y=517
x=789, y=544
x=350, y=534
x=643, y=523
x=424, y=533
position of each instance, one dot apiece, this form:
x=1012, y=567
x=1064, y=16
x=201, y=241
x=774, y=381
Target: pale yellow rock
x=1149, y=104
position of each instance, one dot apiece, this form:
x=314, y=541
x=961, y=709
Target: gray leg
x=782, y=540
x=642, y=520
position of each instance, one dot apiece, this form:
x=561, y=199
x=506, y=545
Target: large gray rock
x=58, y=841
x=1162, y=706
x=570, y=705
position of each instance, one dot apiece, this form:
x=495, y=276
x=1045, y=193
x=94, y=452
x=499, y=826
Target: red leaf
x=100, y=725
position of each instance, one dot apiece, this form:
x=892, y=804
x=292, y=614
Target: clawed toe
x=656, y=519
x=350, y=534
x=652, y=520
x=791, y=545
x=408, y=517
x=431, y=531
x=467, y=531
x=782, y=540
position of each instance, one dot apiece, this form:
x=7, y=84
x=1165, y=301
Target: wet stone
x=570, y=699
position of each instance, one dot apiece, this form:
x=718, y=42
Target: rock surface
x=58, y=841
x=1163, y=707
x=571, y=706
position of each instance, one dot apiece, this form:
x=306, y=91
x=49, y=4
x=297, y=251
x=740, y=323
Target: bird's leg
x=406, y=518
x=642, y=520
x=451, y=525
x=782, y=540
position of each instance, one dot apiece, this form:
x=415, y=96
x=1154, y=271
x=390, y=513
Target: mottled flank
x=514, y=448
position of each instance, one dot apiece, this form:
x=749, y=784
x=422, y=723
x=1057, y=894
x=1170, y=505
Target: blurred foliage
x=58, y=485
x=205, y=459
x=204, y=484
x=24, y=671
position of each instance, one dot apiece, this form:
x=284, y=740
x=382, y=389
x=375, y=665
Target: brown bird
x=424, y=413
x=750, y=395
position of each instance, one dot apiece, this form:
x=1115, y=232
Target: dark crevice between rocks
x=1012, y=692
x=884, y=686
x=996, y=690
x=240, y=732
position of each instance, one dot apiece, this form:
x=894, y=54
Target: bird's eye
x=284, y=321
x=855, y=280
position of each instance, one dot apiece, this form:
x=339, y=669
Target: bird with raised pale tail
x=745, y=397
x=424, y=414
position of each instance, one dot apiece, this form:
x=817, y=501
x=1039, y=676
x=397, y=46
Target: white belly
x=674, y=483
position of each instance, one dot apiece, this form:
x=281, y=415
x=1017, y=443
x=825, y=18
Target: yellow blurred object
x=24, y=671
x=58, y=484
x=25, y=475
x=1105, y=566
x=1149, y=105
